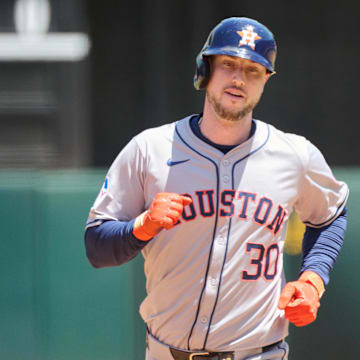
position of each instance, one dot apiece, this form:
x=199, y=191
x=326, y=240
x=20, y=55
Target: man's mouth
x=235, y=92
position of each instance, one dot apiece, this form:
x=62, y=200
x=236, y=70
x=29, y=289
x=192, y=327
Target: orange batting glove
x=301, y=299
x=163, y=213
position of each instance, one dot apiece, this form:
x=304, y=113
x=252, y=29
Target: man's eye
x=228, y=64
x=253, y=69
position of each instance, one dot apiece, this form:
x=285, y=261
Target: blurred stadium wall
x=45, y=84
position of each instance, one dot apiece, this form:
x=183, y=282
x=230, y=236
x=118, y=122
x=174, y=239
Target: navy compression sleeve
x=112, y=243
x=322, y=246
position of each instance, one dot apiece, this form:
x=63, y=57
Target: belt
x=202, y=355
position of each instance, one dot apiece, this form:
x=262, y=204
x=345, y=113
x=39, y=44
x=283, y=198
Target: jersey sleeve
x=321, y=197
x=121, y=197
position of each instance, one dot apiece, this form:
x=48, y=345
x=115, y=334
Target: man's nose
x=238, y=78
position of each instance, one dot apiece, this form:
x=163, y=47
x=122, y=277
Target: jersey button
x=221, y=240
x=226, y=178
x=204, y=319
x=226, y=162
x=213, y=282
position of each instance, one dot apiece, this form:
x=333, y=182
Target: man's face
x=235, y=86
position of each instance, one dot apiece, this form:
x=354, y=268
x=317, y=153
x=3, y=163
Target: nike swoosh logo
x=172, y=163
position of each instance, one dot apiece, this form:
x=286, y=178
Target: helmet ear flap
x=202, y=73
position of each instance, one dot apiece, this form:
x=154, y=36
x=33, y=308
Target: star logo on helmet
x=248, y=36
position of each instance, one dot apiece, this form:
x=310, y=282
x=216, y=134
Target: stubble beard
x=227, y=114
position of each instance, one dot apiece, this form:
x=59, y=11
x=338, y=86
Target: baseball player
x=206, y=199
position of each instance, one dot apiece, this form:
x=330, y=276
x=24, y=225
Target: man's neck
x=225, y=132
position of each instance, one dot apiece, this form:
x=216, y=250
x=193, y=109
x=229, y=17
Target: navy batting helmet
x=237, y=36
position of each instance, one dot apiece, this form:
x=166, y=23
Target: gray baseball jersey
x=214, y=280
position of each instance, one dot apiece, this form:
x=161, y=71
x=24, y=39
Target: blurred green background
x=54, y=305
x=79, y=78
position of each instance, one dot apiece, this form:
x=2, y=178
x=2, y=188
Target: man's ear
x=269, y=75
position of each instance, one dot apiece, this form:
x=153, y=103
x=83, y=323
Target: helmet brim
x=242, y=52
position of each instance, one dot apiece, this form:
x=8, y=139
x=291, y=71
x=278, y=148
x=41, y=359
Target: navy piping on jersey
x=284, y=352
x=228, y=234
x=333, y=217
x=218, y=289
x=215, y=226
